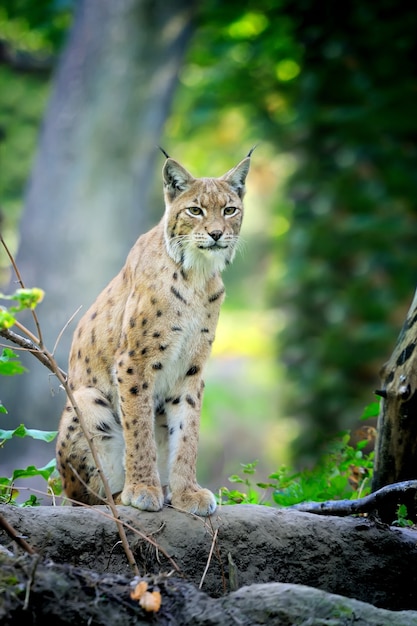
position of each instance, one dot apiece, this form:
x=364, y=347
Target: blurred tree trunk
x=89, y=195
x=396, y=445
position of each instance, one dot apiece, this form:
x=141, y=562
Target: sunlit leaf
x=6, y=319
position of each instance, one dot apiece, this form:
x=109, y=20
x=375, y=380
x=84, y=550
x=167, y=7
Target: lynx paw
x=197, y=501
x=143, y=497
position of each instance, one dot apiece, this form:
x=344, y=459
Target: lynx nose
x=216, y=234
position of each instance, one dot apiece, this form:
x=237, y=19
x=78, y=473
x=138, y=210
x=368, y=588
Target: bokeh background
x=328, y=269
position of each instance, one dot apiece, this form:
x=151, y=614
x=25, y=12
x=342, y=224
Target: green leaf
x=43, y=435
x=6, y=319
x=22, y=431
x=32, y=501
x=362, y=444
x=371, y=410
x=32, y=471
x=249, y=468
x=236, y=479
x=8, y=365
x=7, y=354
x=29, y=298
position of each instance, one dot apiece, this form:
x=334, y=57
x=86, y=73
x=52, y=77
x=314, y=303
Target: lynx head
x=203, y=216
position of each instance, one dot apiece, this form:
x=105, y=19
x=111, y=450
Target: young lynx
x=138, y=354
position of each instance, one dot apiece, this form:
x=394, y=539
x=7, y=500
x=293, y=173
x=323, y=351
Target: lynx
x=138, y=354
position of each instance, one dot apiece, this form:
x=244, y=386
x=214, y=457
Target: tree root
x=382, y=503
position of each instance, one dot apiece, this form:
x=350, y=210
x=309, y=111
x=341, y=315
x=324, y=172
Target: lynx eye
x=229, y=211
x=195, y=211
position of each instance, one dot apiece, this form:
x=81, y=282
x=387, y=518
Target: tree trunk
x=396, y=444
x=90, y=191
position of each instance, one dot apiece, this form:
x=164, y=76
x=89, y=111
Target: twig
x=97, y=461
x=31, y=581
x=213, y=543
x=208, y=524
x=27, y=332
x=62, y=331
x=15, y=536
x=84, y=484
x=219, y=558
x=118, y=543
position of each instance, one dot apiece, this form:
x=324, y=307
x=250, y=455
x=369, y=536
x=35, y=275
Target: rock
x=38, y=591
x=275, y=557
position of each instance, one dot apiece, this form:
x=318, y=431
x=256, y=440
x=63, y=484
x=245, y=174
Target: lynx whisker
x=240, y=245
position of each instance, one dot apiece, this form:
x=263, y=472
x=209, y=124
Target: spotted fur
x=138, y=354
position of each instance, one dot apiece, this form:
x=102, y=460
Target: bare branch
x=27, y=344
x=58, y=339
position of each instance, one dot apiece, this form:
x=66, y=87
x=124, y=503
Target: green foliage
x=354, y=195
x=344, y=472
x=21, y=431
x=31, y=34
x=22, y=103
x=10, y=364
x=37, y=27
x=26, y=299
x=250, y=495
x=8, y=491
x=332, y=90
x=402, y=520
x=370, y=411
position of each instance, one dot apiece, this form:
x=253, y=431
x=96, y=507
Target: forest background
x=318, y=295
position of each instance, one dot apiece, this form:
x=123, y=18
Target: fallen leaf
x=151, y=601
x=139, y=590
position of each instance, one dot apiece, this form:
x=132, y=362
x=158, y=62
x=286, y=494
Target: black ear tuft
x=250, y=151
x=163, y=152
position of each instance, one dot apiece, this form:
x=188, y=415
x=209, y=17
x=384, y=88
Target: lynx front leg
x=142, y=487
x=183, y=416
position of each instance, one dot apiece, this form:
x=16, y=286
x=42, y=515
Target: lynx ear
x=236, y=177
x=176, y=178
